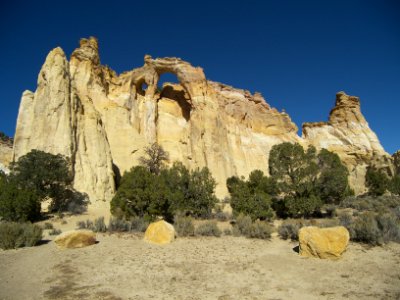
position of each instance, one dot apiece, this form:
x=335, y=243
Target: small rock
x=160, y=233
x=323, y=242
x=75, y=239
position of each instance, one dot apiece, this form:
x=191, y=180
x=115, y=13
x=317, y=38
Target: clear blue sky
x=298, y=54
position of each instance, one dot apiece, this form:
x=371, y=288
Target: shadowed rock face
x=103, y=121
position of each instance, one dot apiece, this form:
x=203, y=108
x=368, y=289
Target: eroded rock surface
x=103, y=121
x=323, y=242
x=347, y=133
x=160, y=233
x=75, y=239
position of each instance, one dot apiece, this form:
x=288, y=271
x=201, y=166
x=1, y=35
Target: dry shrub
x=209, y=228
x=16, y=235
x=184, y=225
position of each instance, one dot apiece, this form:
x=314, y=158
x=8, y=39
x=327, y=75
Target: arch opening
x=169, y=87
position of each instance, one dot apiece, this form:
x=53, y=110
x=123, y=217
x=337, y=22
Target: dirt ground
x=125, y=267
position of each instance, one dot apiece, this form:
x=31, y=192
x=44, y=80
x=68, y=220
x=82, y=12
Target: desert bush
x=184, y=225
x=366, y=229
x=88, y=224
x=289, y=229
x=138, y=224
x=48, y=225
x=379, y=204
x=118, y=225
x=246, y=227
x=324, y=223
x=55, y=231
x=242, y=226
x=208, y=228
x=99, y=225
x=260, y=230
x=15, y=235
x=376, y=181
x=389, y=226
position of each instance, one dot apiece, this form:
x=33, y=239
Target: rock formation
x=396, y=161
x=103, y=121
x=347, y=133
x=323, y=242
x=160, y=233
x=5, y=155
x=75, y=239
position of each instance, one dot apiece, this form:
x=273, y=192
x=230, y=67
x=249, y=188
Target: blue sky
x=298, y=54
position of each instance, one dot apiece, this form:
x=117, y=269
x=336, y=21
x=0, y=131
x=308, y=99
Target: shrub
x=18, y=204
x=252, y=197
x=209, y=228
x=302, y=206
x=372, y=203
x=366, y=229
x=246, y=227
x=118, y=225
x=15, y=235
x=184, y=226
x=289, y=229
x=260, y=230
x=138, y=224
x=175, y=190
x=389, y=226
x=242, y=226
x=376, y=181
x=99, y=225
x=55, y=231
x=88, y=224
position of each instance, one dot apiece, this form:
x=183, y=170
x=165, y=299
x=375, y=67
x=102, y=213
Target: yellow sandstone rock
x=160, y=233
x=323, y=242
x=75, y=239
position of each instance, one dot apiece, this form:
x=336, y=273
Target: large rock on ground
x=75, y=239
x=160, y=233
x=323, y=242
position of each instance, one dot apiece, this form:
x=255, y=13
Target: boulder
x=323, y=242
x=160, y=233
x=75, y=239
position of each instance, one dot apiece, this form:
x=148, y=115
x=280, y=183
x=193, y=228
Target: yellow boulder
x=323, y=242
x=75, y=239
x=160, y=233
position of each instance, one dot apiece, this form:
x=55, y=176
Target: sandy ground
x=125, y=267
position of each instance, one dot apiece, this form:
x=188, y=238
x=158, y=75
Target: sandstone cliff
x=103, y=121
x=347, y=133
x=5, y=155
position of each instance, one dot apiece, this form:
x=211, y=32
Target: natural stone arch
x=191, y=78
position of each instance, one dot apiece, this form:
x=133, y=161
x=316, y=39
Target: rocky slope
x=103, y=121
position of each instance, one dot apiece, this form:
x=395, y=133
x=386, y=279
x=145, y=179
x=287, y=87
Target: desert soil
x=125, y=267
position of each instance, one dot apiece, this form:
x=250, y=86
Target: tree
x=394, y=186
x=332, y=184
x=174, y=190
x=252, y=197
x=377, y=181
x=294, y=169
x=17, y=203
x=154, y=159
x=48, y=175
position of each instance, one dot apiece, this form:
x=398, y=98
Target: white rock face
x=103, y=121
